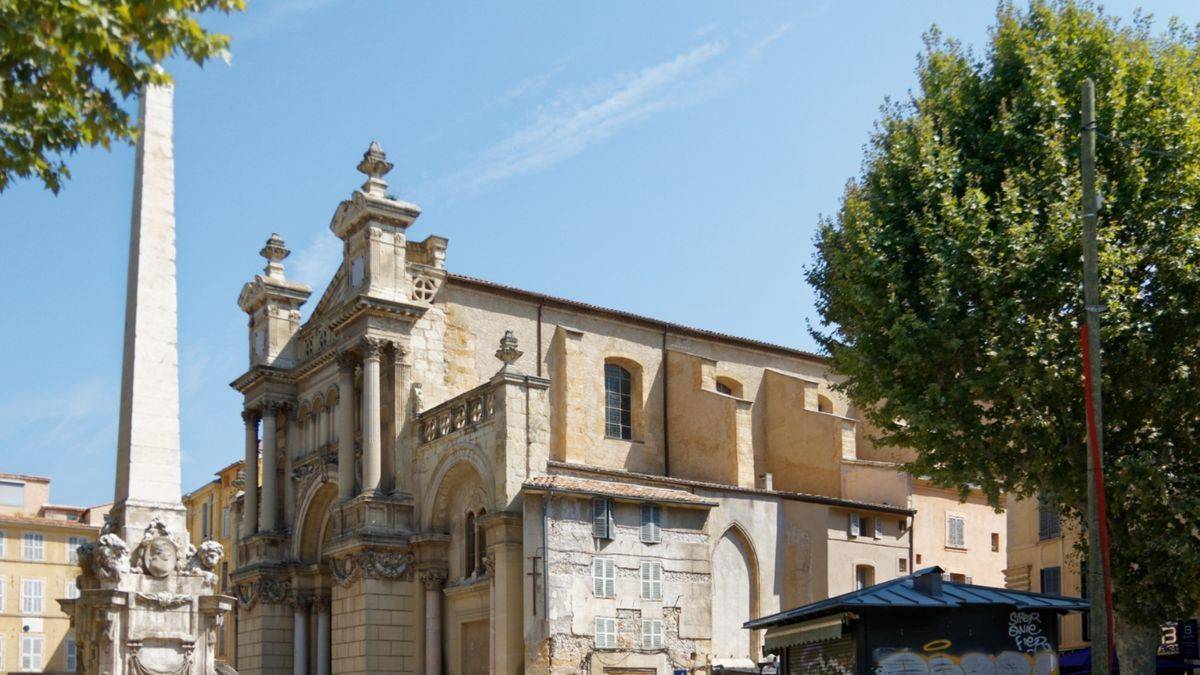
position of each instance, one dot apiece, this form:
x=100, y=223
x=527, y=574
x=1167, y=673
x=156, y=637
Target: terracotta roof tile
x=631, y=491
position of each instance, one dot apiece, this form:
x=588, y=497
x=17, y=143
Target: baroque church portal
x=463, y=477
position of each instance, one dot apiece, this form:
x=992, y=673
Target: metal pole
x=1099, y=593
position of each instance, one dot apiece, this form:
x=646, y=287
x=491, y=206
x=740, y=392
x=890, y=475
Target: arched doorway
x=312, y=582
x=734, y=596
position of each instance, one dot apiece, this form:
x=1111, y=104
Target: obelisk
x=147, y=600
x=148, y=433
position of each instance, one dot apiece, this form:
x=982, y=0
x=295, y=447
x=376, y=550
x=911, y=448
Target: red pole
x=1101, y=499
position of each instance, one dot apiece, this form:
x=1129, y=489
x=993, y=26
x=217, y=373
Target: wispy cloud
x=80, y=417
x=580, y=117
x=767, y=40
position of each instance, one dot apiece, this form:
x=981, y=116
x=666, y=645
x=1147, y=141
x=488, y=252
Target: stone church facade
x=462, y=477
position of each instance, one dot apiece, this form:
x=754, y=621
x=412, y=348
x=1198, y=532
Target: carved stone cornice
x=267, y=590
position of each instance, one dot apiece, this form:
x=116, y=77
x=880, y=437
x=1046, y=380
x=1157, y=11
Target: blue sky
x=669, y=158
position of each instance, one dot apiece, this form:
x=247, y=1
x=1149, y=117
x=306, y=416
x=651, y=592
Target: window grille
x=651, y=523
x=1049, y=525
x=651, y=573
x=604, y=578
x=618, y=402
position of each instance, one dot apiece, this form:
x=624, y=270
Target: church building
x=458, y=476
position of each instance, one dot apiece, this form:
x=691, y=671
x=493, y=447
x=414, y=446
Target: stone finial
x=274, y=251
x=375, y=165
x=508, y=352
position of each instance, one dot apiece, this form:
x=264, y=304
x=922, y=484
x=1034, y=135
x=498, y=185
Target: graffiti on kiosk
x=1025, y=628
x=908, y=662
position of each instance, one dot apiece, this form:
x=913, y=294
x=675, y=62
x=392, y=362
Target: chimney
x=928, y=581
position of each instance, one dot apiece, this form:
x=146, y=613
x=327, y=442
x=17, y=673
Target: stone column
x=269, y=509
x=372, y=460
x=432, y=580
x=323, y=635
x=250, y=505
x=289, y=459
x=300, y=637
x=504, y=561
x=345, y=422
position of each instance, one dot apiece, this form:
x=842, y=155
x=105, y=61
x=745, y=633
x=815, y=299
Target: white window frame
x=650, y=573
x=71, y=589
x=72, y=650
x=3, y=602
x=605, y=635
x=902, y=565
x=950, y=543
x=28, y=665
x=33, y=547
x=602, y=518
x=651, y=523
x=3, y=540
x=652, y=634
x=73, y=544
x=877, y=532
x=33, y=604
x=854, y=525
x=604, y=578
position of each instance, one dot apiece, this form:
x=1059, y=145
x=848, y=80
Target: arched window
x=864, y=576
x=824, y=404
x=469, y=537
x=729, y=387
x=618, y=402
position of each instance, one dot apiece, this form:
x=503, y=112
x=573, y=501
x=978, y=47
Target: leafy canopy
x=65, y=65
x=950, y=279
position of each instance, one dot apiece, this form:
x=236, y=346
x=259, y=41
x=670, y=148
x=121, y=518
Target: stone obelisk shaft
x=148, y=471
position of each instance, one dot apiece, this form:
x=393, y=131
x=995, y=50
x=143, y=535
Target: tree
x=65, y=67
x=949, y=283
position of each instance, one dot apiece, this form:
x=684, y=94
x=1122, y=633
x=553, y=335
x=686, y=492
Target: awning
x=828, y=628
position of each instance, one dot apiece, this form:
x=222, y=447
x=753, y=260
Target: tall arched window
x=618, y=402
x=469, y=537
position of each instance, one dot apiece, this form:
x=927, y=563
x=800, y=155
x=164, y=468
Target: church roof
x=657, y=324
x=604, y=488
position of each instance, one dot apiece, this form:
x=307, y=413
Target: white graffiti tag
x=1025, y=628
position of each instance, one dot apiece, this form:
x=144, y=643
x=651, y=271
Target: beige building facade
x=1042, y=557
x=212, y=515
x=38, y=564
x=463, y=477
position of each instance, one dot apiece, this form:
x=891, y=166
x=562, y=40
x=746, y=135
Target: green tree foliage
x=66, y=65
x=950, y=279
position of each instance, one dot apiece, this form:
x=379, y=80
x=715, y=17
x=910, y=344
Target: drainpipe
x=546, y=574
x=912, y=525
x=666, y=424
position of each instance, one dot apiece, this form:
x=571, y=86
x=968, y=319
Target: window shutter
x=879, y=528
x=854, y=528
x=651, y=634
x=598, y=577
x=651, y=574
x=610, y=578
x=601, y=518
x=651, y=523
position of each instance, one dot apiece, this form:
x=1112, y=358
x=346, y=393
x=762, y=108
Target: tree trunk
x=1137, y=646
